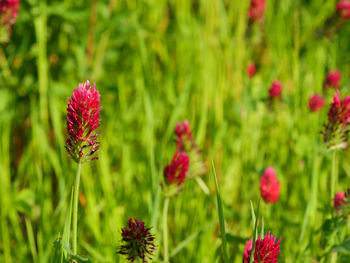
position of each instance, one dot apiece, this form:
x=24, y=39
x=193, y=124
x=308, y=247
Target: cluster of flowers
x=341, y=203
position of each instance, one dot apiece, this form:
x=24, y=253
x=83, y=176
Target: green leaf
x=255, y=234
x=345, y=247
x=221, y=215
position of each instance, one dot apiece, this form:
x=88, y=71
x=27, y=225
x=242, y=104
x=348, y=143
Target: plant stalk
x=334, y=177
x=165, y=229
x=75, y=207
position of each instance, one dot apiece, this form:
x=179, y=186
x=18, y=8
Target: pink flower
x=257, y=9
x=316, y=103
x=184, y=136
x=336, y=130
x=83, y=118
x=247, y=251
x=266, y=250
x=339, y=200
x=333, y=78
x=275, y=89
x=251, y=69
x=9, y=11
x=176, y=171
x=343, y=9
x=269, y=186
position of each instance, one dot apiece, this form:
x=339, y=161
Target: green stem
x=75, y=208
x=334, y=178
x=165, y=229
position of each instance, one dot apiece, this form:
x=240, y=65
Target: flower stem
x=165, y=229
x=334, y=178
x=75, y=207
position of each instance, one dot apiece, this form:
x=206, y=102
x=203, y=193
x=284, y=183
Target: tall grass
x=155, y=63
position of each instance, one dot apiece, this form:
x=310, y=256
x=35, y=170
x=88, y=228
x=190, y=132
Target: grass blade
x=255, y=235
x=221, y=215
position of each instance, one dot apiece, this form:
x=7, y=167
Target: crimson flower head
x=137, y=241
x=339, y=200
x=343, y=9
x=247, y=251
x=269, y=186
x=83, y=118
x=184, y=136
x=266, y=250
x=275, y=89
x=316, y=103
x=333, y=79
x=256, y=10
x=176, y=171
x=336, y=130
x=251, y=69
x=9, y=11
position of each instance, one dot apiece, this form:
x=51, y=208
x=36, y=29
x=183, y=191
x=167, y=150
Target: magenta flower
x=83, y=118
x=247, y=251
x=266, y=250
x=339, y=200
x=333, y=79
x=269, y=186
x=137, y=241
x=275, y=89
x=176, y=171
x=257, y=9
x=316, y=103
x=343, y=9
x=9, y=11
x=336, y=130
x=184, y=136
x=251, y=69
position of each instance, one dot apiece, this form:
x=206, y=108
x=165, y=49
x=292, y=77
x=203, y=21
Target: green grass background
x=155, y=63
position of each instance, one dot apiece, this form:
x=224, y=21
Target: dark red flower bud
x=137, y=241
x=316, y=103
x=269, y=186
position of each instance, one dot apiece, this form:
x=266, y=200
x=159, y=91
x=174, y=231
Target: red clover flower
x=339, y=200
x=175, y=172
x=266, y=250
x=316, y=103
x=275, y=90
x=269, y=186
x=83, y=118
x=336, y=130
x=257, y=9
x=333, y=79
x=9, y=11
x=251, y=69
x=343, y=9
x=137, y=241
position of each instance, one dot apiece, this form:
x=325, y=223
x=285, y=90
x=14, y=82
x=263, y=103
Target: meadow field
x=157, y=63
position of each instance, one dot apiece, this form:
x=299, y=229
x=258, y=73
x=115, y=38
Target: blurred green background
x=155, y=63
